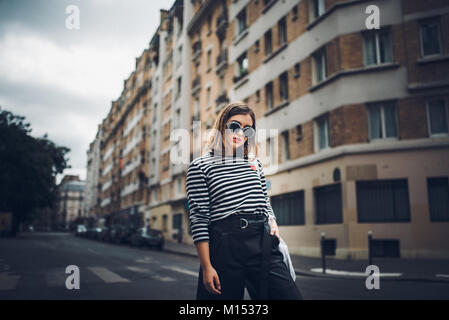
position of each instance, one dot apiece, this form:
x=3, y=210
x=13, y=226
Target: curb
x=332, y=276
x=398, y=278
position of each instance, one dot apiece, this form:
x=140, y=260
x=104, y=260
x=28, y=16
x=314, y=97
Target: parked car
x=147, y=237
x=103, y=235
x=80, y=230
x=124, y=233
x=92, y=232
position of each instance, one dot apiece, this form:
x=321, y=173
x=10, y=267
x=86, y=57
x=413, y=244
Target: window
x=282, y=29
x=317, y=8
x=321, y=133
x=241, y=19
x=178, y=87
x=285, y=146
x=242, y=66
x=283, y=87
x=437, y=117
x=297, y=70
x=377, y=47
x=382, y=120
x=209, y=60
x=298, y=132
x=438, y=194
x=430, y=37
x=209, y=97
x=328, y=204
x=269, y=95
x=289, y=208
x=383, y=201
x=268, y=43
x=295, y=12
x=209, y=24
x=319, y=66
x=256, y=46
x=164, y=223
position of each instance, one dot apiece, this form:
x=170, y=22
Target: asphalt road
x=34, y=267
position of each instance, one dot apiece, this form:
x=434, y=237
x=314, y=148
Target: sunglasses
x=235, y=127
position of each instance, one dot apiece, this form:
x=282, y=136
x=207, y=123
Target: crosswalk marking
x=106, y=275
x=8, y=281
x=150, y=273
x=55, y=278
x=181, y=270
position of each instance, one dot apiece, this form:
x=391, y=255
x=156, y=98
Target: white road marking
x=442, y=275
x=181, y=270
x=8, y=281
x=351, y=273
x=56, y=277
x=150, y=273
x=106, y=275
x=146, y=260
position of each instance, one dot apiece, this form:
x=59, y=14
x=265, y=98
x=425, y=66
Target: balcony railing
x=222, y=61
x=196, y=85
x=221, y=101
x=222, y=24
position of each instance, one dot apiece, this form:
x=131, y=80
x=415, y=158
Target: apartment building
x=91, y=196
x=352, y=122
x=123, y=173
x=167, y=203
x=70, y=200
x=362, y=120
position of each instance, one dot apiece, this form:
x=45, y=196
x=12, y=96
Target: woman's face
x=236, y=140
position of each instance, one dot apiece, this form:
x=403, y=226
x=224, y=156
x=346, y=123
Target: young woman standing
x=232, y=222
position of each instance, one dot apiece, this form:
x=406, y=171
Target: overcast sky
x=61, y=80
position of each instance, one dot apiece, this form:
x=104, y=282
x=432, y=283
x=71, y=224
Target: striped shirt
x=218, y=187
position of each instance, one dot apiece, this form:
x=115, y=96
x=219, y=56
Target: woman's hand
x=274, y=230
x=211, y=281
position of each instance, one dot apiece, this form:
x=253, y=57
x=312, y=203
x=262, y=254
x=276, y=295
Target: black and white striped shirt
x=218, y=187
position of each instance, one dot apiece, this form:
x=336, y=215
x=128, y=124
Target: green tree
x=28, y=169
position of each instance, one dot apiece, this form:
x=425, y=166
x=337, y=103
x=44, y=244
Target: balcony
x=222, y=24
x=222, y=61
x=196, y=51
x=221, y=101
x=242, y=74
x=196, y=85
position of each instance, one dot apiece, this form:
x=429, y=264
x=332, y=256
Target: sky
x=63, y=80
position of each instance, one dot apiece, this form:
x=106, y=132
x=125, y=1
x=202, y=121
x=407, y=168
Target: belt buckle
x=245, y=225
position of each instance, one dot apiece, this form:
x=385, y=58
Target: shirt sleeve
x=264, y=188
x=198, y=198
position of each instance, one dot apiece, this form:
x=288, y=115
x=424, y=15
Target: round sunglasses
x=235, y=127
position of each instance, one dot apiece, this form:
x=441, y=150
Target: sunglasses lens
x=234, y=126
x=248, y=132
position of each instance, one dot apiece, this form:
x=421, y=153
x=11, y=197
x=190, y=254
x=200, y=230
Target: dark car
x=92, y=232
x=147, y=237
x=103, y=235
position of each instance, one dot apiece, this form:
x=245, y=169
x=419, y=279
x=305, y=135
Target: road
x=33, y=267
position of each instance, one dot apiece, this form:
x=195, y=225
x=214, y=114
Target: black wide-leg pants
x=237, y=254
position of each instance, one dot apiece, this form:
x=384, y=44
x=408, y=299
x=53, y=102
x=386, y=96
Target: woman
x=232, y=222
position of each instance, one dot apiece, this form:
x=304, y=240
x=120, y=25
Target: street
x=33, y=266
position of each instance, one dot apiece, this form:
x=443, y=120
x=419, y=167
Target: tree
x=28, y=169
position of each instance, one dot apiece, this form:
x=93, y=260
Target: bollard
x=323, y=256
x=370, y=248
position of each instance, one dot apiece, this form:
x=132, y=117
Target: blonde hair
x=232, y=109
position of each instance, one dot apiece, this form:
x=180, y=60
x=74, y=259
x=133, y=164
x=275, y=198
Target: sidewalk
x=390, y=268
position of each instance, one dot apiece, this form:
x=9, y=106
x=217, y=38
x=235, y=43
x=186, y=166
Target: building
x=91, y=203
x=70, y=205
x=352, y=122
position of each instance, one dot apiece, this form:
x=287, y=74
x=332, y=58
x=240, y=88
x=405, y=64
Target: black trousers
x=237, y=254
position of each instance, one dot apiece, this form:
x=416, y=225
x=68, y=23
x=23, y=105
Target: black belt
x=250, y=221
